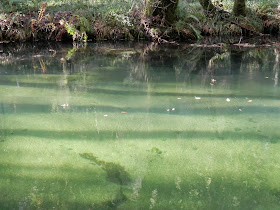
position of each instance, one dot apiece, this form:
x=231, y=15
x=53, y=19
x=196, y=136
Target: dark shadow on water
x=35, y=191
x=138, y=92
x=181, y=109
x=108, y=135
x=110, y=204
x=221, y=190
x=144, y=93
x=10, y=171
x=50, y=85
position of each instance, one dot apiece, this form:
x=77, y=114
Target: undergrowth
x=84, y=20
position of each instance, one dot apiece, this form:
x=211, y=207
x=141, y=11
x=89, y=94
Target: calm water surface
x=139, y=126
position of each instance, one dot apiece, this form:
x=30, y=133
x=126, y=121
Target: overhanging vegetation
x=160, y=21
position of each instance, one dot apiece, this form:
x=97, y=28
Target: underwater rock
x=115, y=172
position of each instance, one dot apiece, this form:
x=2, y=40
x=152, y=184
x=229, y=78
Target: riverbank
x=81, y=21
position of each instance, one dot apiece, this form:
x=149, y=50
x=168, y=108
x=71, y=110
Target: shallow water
x=139, y=126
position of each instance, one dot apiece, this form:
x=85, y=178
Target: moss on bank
x=127, y=20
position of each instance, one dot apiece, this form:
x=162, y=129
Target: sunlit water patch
x=138, y=126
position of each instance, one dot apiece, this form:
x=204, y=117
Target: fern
x=71, y=29
x=197, y=32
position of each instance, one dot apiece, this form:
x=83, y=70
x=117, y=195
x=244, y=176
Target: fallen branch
x=242, y=27
x=226, y=13
x=251, y=45
x=219, y=45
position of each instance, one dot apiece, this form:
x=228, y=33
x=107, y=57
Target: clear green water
x=137, y=126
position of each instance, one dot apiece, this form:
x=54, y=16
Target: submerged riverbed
x=139, y=126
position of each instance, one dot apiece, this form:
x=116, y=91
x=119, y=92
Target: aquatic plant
x=156, y=150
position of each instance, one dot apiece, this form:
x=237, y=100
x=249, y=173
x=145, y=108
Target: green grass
x=122, y=5
x=64, y=5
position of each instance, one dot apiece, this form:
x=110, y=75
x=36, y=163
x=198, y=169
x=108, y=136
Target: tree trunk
x=207, y=5
x=239, y=8
x=165, y=9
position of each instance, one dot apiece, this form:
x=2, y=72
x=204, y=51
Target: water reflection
x=135, y=63
x=138, y=126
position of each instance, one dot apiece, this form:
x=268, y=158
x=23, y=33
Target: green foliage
x=78, y=27
x=70, y=29
x=191, y=24
x=83, y=23
x=125, y=19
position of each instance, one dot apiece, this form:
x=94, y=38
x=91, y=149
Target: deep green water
x=139, y=126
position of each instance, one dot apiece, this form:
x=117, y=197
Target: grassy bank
x=125, y=20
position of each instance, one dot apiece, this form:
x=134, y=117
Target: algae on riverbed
x=107, y=130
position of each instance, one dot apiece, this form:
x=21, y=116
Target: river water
x=139, y=126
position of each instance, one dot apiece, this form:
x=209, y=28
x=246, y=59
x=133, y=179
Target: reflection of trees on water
x=276, y=66
x=236, y=61
x=134, y=64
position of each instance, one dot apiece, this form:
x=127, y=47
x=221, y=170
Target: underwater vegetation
x=156, y=150
x=115, y=172
x=112, y=204
x=137, y=126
